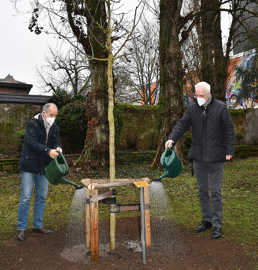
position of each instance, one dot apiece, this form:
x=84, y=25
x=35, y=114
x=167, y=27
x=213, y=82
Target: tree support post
x=94, y=228
x=87, y=223
x=143, y=228
x=147, y=215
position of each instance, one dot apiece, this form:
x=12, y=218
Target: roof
x=10, y=82
x=24, y=99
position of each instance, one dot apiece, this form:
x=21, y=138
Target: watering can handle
x=61, y=156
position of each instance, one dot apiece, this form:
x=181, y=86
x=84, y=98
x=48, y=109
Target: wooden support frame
x=103, y=183
x=91, y=209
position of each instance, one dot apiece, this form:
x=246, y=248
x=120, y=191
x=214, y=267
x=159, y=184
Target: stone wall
x=13, y=121
x=137, y=128
x=251, y=127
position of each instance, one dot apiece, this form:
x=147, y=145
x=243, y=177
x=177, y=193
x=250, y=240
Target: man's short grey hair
x=205, y=85
x=47, y=105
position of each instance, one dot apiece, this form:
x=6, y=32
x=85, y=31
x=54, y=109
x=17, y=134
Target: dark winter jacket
x=213, y=134
x=34, y=154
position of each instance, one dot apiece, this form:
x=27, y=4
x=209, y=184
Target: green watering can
x=170, y=163
x=56, y=170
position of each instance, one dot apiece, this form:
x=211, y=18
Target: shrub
x=72, y=121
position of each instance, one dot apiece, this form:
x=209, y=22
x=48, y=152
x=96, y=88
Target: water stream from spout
x=163, y=230
x=75, y=250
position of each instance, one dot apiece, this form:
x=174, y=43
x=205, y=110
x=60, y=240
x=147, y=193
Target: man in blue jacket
x=212, y=144
x=41, y=144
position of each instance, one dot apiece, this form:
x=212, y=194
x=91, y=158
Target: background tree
x=142, y=62
x=191, y=51
x=214, y=56
x=175, y=27
x=87, y=21
x=171, y=71
x=66, y=69
x=123, y=84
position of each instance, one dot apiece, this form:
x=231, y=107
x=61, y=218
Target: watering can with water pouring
x=171, y=163
x=57, y=169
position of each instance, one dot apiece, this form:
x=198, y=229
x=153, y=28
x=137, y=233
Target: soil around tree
x=173, y=248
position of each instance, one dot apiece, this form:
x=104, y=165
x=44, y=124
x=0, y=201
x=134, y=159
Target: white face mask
x=201, y=101
x=50, y=120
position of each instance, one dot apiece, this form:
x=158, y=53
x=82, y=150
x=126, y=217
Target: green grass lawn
x=240, y=200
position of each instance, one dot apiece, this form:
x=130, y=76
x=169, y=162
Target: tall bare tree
x=143, y=58
x=215, y=58
x=82, y=22
x=87, y=21
x=171, y=71
x=65, y=70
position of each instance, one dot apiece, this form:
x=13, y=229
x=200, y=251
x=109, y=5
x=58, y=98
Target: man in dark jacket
x=212, y=144
x=41, y=143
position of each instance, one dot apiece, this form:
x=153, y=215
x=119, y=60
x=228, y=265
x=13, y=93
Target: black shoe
x=42, y=231
x=203, y=227
x=216, y=234
x=21, y=235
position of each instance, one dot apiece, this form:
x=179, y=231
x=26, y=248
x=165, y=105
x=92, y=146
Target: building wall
x=234, y=86
x=5, y=90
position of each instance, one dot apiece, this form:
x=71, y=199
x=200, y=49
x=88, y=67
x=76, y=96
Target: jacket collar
x=205, y=107
x=41, y=121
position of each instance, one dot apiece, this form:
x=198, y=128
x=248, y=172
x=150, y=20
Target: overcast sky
x=20, y=50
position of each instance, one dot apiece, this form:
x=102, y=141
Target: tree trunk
x=171, y=73
x=95, y=152
x=213, y=62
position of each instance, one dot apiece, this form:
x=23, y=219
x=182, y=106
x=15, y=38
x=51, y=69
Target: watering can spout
x=156, y=180
x=65, y=181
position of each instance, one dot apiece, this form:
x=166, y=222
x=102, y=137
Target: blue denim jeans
x=28, y=181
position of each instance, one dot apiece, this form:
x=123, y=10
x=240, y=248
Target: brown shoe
x=42, y=231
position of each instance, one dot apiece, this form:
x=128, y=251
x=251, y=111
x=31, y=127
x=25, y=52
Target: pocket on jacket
x=195, y=152
x=29, y=164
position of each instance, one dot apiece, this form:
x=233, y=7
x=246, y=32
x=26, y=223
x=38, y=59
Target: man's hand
x=59, y=149
x=53, y=153
x=169, y=144
x=228, y=157
x=91, y=186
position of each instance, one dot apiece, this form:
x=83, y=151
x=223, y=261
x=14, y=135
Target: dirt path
x=188, y=251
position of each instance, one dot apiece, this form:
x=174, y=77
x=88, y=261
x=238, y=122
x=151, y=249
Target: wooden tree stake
x=147, y=216
x=94, y=232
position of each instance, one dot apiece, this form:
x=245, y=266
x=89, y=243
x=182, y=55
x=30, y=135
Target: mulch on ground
x=189, y=251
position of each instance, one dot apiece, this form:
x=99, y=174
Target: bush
x=62, y=98
x=72, y=121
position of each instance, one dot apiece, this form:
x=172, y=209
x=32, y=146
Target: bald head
x=50, y=110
